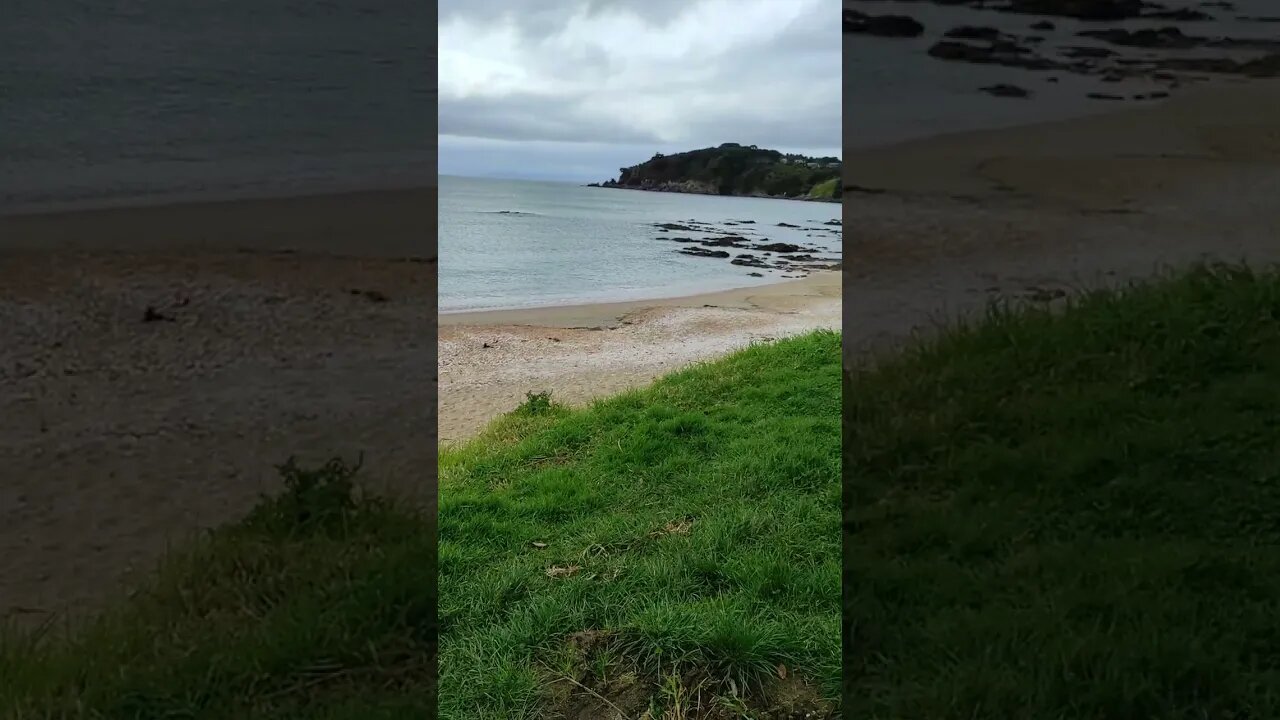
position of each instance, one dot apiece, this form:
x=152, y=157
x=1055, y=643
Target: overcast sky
x=575, y=89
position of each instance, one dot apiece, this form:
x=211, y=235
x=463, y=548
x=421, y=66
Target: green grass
x=825, y=189
x=683, y=538
x=319, y=605
x=1072, y=515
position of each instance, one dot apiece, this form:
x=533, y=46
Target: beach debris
x=538, y=544
x=485, y=346
x=554, y=339
x=372, y=295
x=562, y=571
x=153, y=315
x=675, y=527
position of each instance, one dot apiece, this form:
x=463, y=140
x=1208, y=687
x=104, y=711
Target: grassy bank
x=1072, y=515
x=672, y=550
x=320, y=605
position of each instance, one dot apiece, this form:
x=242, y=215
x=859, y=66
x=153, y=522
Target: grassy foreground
x=672, y=552
x=1072, y=515
x=319, y=605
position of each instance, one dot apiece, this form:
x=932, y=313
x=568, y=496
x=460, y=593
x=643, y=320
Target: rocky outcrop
x=899, y=26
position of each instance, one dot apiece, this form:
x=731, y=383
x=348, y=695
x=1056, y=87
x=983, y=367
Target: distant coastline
x=735, y=170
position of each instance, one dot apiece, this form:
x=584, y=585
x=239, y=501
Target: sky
x=576, y=89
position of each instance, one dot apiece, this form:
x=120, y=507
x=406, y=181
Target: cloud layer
x=659, y=74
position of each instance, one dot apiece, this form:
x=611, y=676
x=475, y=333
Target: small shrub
x=318, y=499
x=535, y=404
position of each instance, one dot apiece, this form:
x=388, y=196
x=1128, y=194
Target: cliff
x=733, y=169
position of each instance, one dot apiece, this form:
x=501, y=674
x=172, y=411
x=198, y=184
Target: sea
x=894, y=92
x=151, y=101
x=508, y=244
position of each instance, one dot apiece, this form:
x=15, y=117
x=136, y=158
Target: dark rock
x=787, y=225
x=1087, y=52
x=755, y=274
x=1008, y=91
x=993, y=54
x=703, y=252
x=1051, y=79
x=372, y=295
x=833, y=222
x=1104, y=96
x=152, y=315
x=970, y=32
x=1166, y=38
x=1043, y=25
x=1158, y=95
x=899, y=26
x=1180, y=15
x=779, y=248
x=1079, y=9
x=724, y=241
x=674, y=226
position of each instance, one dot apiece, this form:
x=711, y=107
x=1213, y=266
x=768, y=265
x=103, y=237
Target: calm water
x=129, y=100
x=893, y=91
x=514, y=243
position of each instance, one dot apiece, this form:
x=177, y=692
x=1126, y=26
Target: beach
x=156, y=363
x=1039, y=211
x=489, y=360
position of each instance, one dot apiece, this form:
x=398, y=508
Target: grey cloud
x=782, y=91
x=530, y=117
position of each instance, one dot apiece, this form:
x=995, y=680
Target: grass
x=319, y=605
x=671, y=551
x=825, y=189
x=1072, y=514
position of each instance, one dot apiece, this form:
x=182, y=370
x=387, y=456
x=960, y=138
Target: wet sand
x=489, y=360
x=119, y=436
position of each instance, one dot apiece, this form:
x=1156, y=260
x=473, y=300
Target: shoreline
x=1047, y=209
x=611, y=313
x=687, y=192
x=327, y=223
x=489, y=360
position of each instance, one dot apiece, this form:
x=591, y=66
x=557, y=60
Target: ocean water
x=138, y=101
x=895, y=92
x=517, y=243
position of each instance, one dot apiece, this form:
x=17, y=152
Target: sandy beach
x=1036, y=211
x=489, y=360
x=120, y=436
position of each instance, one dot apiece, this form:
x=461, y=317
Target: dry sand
x=1024, y=212
x=119, y=436
x=489, y=360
